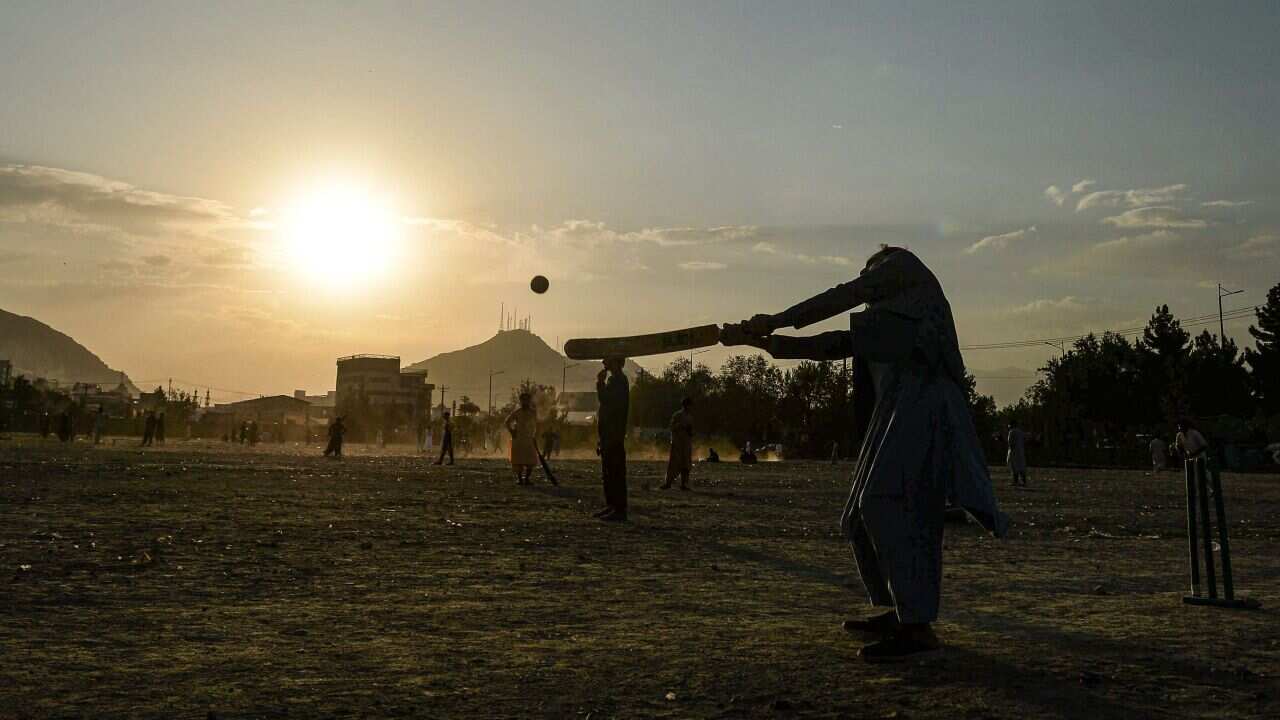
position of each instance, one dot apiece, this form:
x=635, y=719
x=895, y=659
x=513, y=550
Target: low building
x=279, y=417
x=376, y=381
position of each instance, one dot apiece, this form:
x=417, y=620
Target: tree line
x=1097, y=403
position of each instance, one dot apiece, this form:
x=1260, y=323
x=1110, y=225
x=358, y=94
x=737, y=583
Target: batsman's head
x=614, y=364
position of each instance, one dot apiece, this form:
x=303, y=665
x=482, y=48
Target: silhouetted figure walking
x=336, y=431
x=149, y=429
x=253, y=432
x=66, y=429
x=160, y=428
x=446, y=441
x=614, y=394
x=99, y=425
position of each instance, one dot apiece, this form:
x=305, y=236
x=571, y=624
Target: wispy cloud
x=701, y=266
x=1083, y=186
x=1131, y=198
x=1069, y=303
x=998, y=242
x=64, y=197
x=1055, y=195
x=768, y=248
x=1257, y=248
x=1226, y=203
x=1162, y=216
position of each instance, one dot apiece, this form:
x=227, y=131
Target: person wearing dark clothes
x=336, y=431
x=712, y=456
x=446, y=442
x=160, y=428
x=149, y=429
x=253, y=432
x=614, y=394
x=66, y=432
x=46, y=426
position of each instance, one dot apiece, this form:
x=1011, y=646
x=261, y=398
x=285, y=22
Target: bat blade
x=638, y=345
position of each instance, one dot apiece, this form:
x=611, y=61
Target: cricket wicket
x=1202, y=481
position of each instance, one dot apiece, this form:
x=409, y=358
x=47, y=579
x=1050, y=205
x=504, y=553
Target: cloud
x=55, y=196
x=768, y=248
x=1069, y=303
x=1082, y=186
x=701, y=266
x=229, y=256
x=157, y=260
x=1226, y=203
x=1146, y=240
x=594, y=233
x=1154, y=217
x=1055, y=195
x=1131, y=198
x=999, y=242
x=1257, y=247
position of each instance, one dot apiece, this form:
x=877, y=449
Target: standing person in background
x=149, y=428
x=1159, y=454
x=446, y=440
x=336, y=431
x=253, y=432
x=614, y=394
x=1017, y=455
x=522, y=425
x=160, y=428
x=680, y=461
x=99, y=425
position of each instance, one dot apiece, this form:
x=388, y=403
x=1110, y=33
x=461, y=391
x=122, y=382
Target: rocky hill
x=519, y=354
x=37, y=350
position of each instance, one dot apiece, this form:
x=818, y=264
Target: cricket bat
x=637, y=345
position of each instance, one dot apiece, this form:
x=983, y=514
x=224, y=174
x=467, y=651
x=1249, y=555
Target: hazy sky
x=1063, y=167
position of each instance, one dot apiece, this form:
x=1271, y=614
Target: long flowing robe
x=681, y=457
x=1016, y=457
x=919, y=448
x=523, y=424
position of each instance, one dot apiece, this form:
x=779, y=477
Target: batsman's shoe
x=882, y=625
x=902, y=645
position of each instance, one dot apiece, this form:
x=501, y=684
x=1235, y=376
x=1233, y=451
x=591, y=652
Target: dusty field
x=204, y=582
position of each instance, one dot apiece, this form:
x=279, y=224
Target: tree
x=1219, y=383
x=1165, y=352
x=1264, y=360
x=466, y=407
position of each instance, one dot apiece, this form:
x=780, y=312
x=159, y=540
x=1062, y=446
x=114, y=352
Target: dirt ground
x=203, y=581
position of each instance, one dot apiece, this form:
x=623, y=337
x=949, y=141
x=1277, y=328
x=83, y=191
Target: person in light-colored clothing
x=522, y=424
x=1159, y=454
x=1189, y=441
x=1017, y=455
x=680, y=461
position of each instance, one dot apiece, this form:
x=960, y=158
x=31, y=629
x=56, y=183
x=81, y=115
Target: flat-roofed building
x=378, y=382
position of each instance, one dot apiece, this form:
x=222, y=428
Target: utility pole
x=1222, y=327
x=442, y=389
x=1062, y=348
x=564, y=376
x=491, y=374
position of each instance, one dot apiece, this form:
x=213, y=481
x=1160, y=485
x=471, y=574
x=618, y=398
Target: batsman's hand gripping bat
x=638, y=345
x=545, y=467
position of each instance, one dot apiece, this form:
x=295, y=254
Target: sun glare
x=341, y=237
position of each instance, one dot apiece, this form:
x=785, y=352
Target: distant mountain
x=37, y=350
x=519, y=354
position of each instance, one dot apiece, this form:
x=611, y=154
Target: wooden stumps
x=1203, y=480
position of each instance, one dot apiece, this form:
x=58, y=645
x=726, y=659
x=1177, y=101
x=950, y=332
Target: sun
x=341, y=236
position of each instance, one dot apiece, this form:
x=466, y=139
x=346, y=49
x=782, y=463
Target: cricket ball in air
x=539, y=284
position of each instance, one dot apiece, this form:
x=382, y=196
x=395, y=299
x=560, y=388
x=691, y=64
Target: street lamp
x=491, y=374
x=564, y=375
x=1222, y=328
